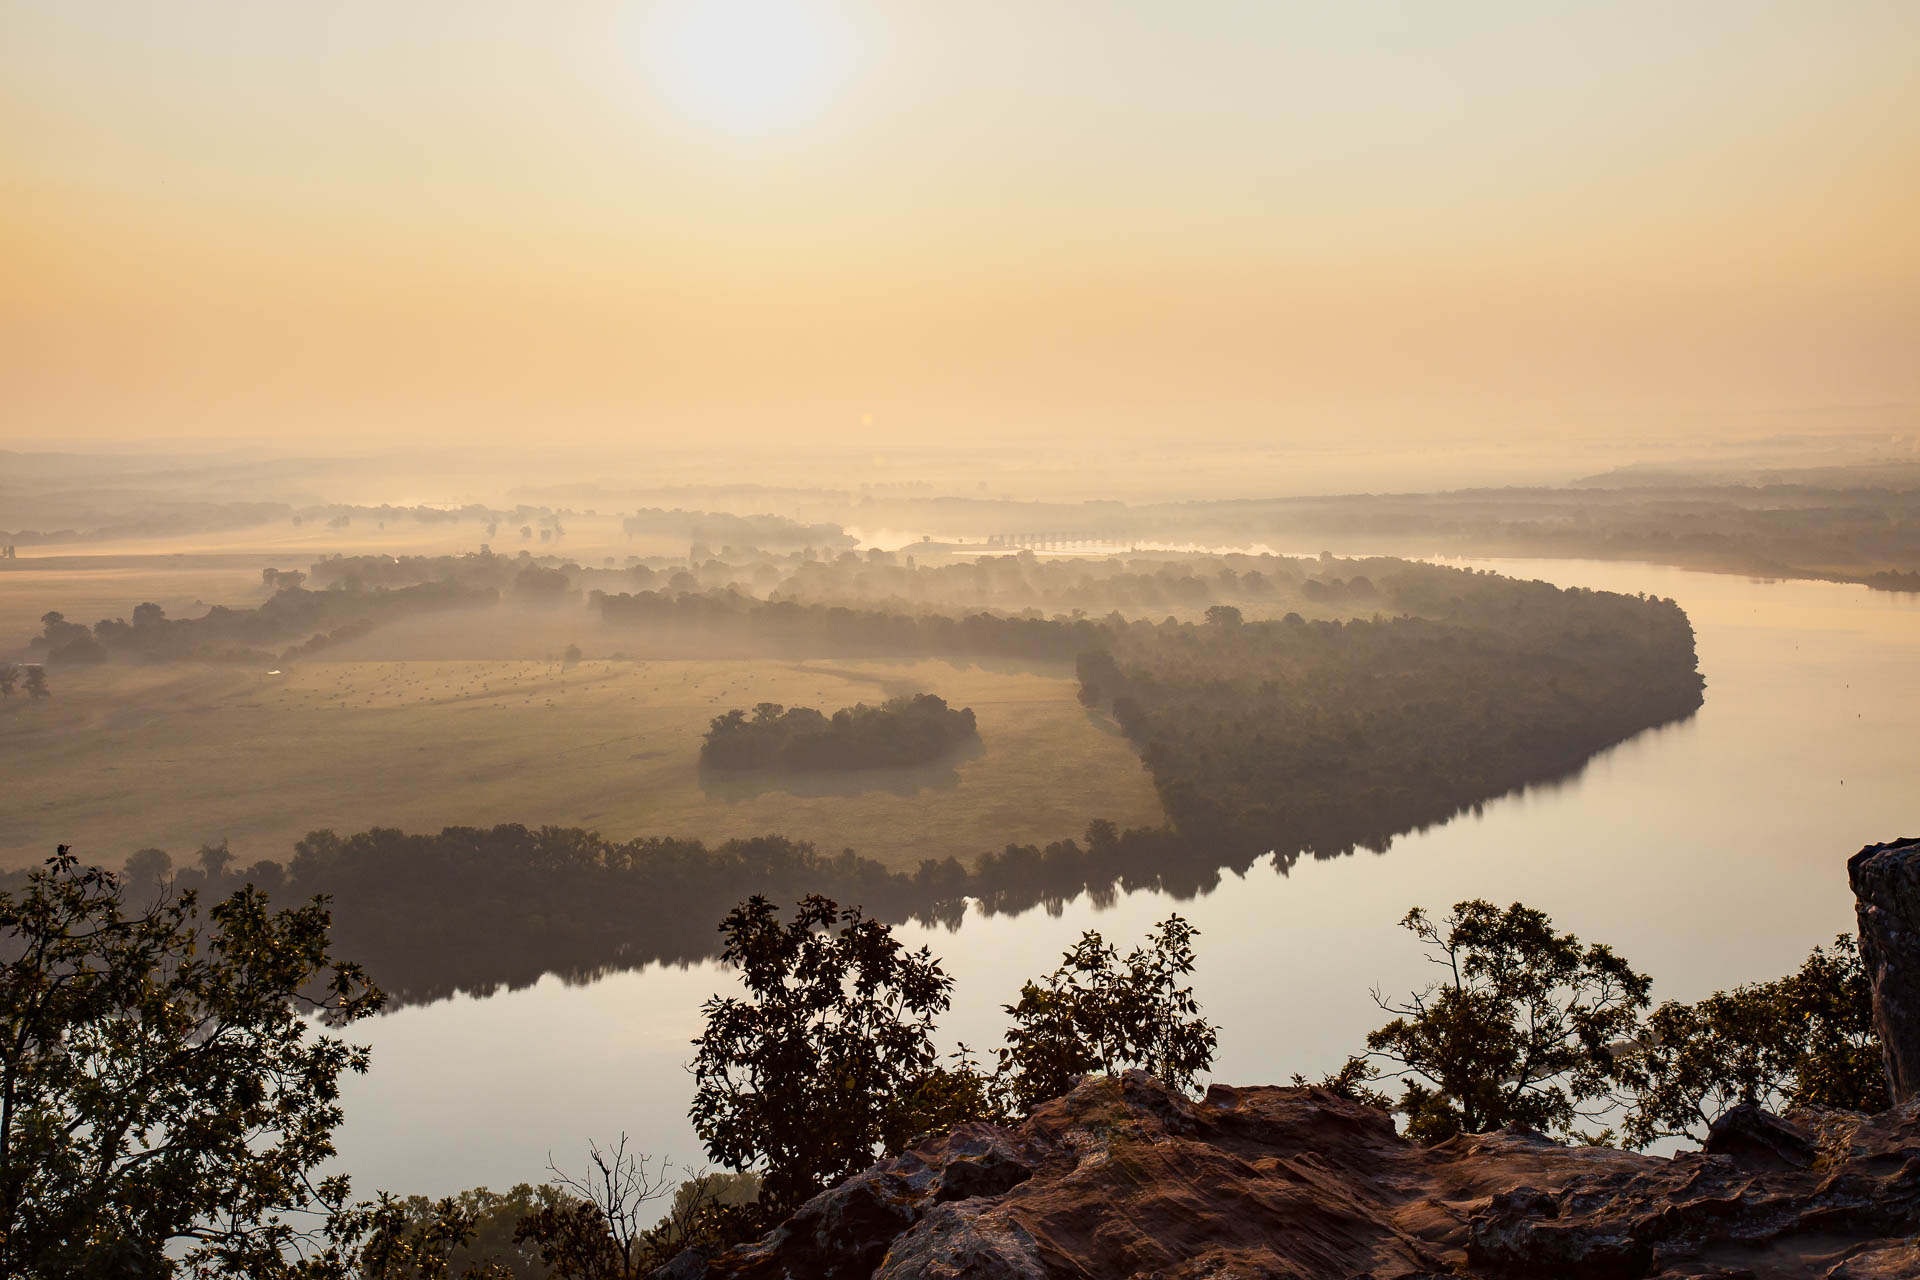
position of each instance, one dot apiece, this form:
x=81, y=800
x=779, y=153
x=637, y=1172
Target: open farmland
x=178, y=755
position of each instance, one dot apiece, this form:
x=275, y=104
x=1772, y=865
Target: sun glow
x=750, y=65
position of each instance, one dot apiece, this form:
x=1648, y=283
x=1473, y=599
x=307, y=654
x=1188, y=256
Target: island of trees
x=899, y=732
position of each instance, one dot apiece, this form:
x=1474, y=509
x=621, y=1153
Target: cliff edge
x=1124, y=1177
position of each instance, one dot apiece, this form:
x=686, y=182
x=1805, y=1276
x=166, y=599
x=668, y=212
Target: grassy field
x=173, y=756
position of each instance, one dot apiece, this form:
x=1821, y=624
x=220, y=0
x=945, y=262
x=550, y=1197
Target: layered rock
x=1886, y=891
x=1124, y=1177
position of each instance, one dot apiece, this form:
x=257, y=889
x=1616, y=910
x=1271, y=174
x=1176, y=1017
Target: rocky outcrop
x=1124, y=1177
x=1886, y=891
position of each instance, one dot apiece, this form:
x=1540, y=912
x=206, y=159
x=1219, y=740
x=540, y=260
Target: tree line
x=908, y=730
x=1320, y=736
x=224, y=634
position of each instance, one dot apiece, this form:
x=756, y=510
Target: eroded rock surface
x=1123, y=1177
x=1886, y=890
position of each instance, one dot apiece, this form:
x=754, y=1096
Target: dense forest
x=901, y=731
x=1319, y=736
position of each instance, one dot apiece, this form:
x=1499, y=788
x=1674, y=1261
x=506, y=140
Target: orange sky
x=473, y=219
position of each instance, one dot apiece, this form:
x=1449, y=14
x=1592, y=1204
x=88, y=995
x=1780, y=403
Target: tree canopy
x=1522, y=1028
x=1098, y=1013
x=806, y=1074
x=1803, y=1039
x=159, y=1085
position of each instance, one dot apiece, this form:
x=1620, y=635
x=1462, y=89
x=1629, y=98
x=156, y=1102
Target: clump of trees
x=1521, y=1029
x=1529, y=1026
x=828, y=1060
x=1806, y=1039
x=900, y=731
x=1099, y=1013
x=11, y=674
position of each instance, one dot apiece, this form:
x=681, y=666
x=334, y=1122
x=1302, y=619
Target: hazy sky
x=1034, y=220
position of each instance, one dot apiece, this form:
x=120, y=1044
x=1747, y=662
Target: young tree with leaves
x=1099, y=1013
x=159, y=1086
x=1523, y=1028
x=806, y=1076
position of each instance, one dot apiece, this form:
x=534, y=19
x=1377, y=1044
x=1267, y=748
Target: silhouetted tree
x=214, y=859
x=1223, y=615
x=1521, y=1029
x=1099, y=1013
x=804, y=1078
x=595, y=1230
x=149, y=868
x=1805, y=1039
x=161, y=1087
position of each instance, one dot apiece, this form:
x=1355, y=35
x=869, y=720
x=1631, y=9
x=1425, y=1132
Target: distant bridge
x=1065, y=541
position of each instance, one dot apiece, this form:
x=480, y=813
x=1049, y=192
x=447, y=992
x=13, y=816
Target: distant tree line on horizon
x=908, y=730
x=222, y=634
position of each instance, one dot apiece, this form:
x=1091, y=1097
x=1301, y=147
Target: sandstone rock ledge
x=1123, y=1177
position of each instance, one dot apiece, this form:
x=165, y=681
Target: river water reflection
x=1708, y=852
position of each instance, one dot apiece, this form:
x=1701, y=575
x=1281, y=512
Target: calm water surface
x=1709, y=853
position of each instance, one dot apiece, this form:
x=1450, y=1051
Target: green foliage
x=411, y=1239
x=830, y=1061
x=711, y=1211
x=468, y=1235
x=1806, y=1038
x=900, y=731
x=1323, y=736
x=1224, y=615
x=158, y=1084
x=1097, y=1013
x=1522, y=1029
x=805, y=1078
x=1353, y=1081
x=942, y=1098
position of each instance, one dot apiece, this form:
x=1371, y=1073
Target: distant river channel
x=1709, y=853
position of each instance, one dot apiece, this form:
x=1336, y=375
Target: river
x=1709, y=853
